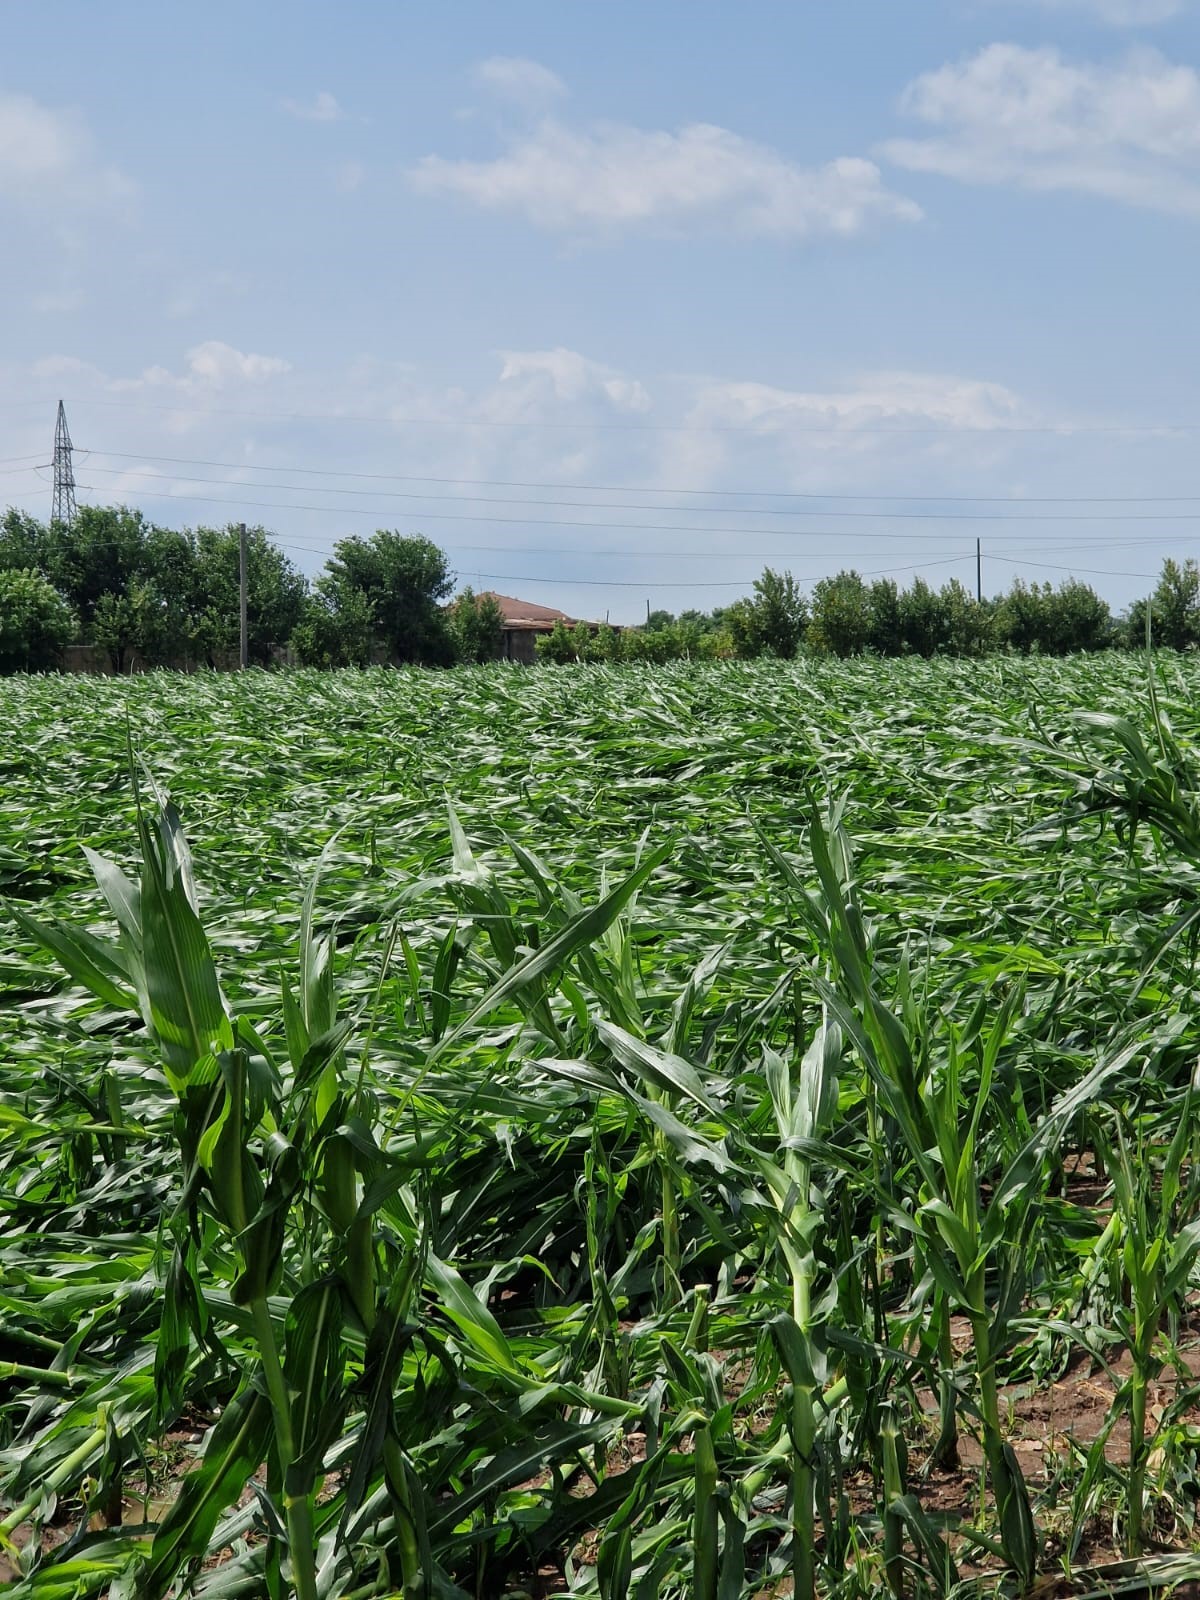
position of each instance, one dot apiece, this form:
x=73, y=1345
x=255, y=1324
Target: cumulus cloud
x=880, y=401
x=533, y=382
x=614, y=177
x=526, y=83
x=49, y=155
x=217, y=363
x=210, y=366
x=322, y=108
x=1030, y=118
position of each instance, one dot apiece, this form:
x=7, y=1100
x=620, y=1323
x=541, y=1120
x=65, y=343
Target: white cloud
x=217, y=364
x=1010, y=115
x=881, y=401
x=1118, y=13
x=322, y=108
x=533, y=382
x=889, y=433
x=211, y=366
x=48, y=155
x=613, y=177
x=526, y=83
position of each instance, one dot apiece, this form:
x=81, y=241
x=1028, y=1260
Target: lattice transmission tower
x=64, y=472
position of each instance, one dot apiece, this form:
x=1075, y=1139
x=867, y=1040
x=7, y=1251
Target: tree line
x=845, y=615
x=169, y=597
x=162, y=596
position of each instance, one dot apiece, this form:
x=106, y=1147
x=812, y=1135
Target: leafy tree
x=24, y=542
x=966, y=621
x=703, y=621
x=781, y=615
x=886, y=631
x=581, y=638
x=1037, y=618
x=557, y=646
x=603, y=645
x=1021, y=617
x=1174, y=608
x=276, y=592
x=742, y=621
x=477, y=625
x=841, y=615
x=103, y=552
x=658, y=621
x=1080, y=619
x=36, y=623
x=404, y=579
x=923, y=622
x=150, y=618
x=114, y=628
x=336, y=628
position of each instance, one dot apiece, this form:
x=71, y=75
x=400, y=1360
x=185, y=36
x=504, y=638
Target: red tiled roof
x=526, y=614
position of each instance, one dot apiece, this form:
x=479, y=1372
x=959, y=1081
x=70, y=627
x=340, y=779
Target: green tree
x=477, y=627
x=603, y=645
x=102, y=552
x=841, y=615
x=405, y=579
x=276, y=592
x=1022, y=620
x=781, y=615
x=1174, y=608
x=24, y=542
x=741, y=618
x=886, y=633
x=967, y=621
x=336, y=628
x=36, y=623
x=581, y=638
x=923, y=621
x=557, y=646
x=1080, y=619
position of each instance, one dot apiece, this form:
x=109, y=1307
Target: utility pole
x=979, y=571
x=242, y=598
x=64, y=473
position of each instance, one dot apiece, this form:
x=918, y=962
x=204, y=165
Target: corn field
x=713, y=1131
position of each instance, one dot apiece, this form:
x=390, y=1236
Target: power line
x=617, y=488
x=1092, y=572
x=543, y=522
x=588, y=505
x=637, y=583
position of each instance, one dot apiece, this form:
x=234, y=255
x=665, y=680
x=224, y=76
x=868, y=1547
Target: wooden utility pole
x=979, y=571
x=243, y=617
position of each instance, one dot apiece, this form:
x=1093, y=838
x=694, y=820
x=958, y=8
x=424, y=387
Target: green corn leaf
x=579, y=932
x=238, y=1443
x=95, y=966
x=470, y=1315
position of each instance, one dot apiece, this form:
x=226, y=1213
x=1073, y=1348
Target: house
x=524, y=622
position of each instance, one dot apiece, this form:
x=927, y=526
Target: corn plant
x=590, y=1185
x=1151, y=1248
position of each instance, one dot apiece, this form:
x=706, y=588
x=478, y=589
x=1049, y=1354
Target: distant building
x=524, y=622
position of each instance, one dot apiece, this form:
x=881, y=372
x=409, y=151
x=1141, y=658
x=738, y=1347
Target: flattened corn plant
x=638, y=1177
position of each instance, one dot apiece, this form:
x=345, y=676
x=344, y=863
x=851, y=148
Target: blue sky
x=617, y=303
